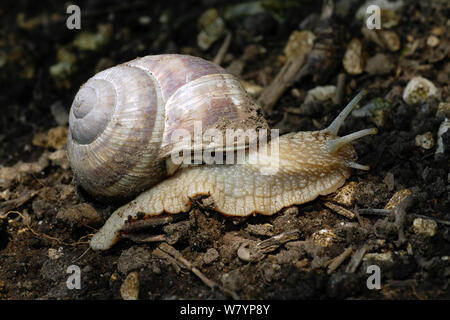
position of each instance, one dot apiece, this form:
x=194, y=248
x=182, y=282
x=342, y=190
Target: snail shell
x=122, y=119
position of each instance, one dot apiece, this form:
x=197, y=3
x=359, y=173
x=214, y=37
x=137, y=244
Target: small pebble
x=389, y=181
x=54, y=254
x=145, y=20
x=346, y=195
x=432, y=41
x=210, y=256
x=93, y=41
x=59, y=113
x=298, y=43
x=418, y=90
x=443, y=110
x=212, y=27
x=324, y=238
x=379, y=64
x=59, y=158
x=80, y=214
x=443, y=128
x=133, y=258
x=129, y=290
x=5, y=195
x=252, y=89
x=7, y=176
x=260, y=229
x=385, y=257
x=54, y=138
x=425, y=227
x=244, y=253
x=320, y=94
x=353, y=60
x=390, y=40
x=425, y=140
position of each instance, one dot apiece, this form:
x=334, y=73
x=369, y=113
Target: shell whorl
x=116, y=126
x=121, y=119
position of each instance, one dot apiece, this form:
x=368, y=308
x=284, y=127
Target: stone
x=425, y=227
x=419, y=90
x=353, y=60
x=129, y=290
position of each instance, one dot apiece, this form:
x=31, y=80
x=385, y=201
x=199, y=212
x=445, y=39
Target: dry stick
x=24, y=197
x=82, y=255
x=223, y=49
x=152, y=221
x=356, y=260
x=336, y=262
x=339, y=89
x=385, y=212
x=144, y=238
x=282, y=81
x=261, y=248
x=274, y=242
x=163, y=255
x=171, y=251
x=340, y=210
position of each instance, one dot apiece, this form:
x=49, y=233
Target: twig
x=274, y=242
x=139, y=238
x=374, y=211
x=356, y=259
x=254, y=252
x=340, y=210
x=134, y=225
x=163, y=255
x=24, y=197
x=218, y=59
x=82, y=255
x=178, y=257
x=398, y=214
x=282, y=81
x=384, y=212
x=339, y=89
x=336, y=262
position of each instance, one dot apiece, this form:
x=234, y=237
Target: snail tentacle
x=334, y=127
x=335, y=144
x=358, y=166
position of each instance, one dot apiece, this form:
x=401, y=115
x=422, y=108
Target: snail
x=120, y=145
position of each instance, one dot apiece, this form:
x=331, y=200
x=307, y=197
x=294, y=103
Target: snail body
x=294, y=168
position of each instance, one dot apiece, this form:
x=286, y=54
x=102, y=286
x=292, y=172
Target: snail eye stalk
x=334, y=144
x=333, y=128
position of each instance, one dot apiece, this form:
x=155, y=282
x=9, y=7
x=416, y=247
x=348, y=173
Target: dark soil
x=39, y=239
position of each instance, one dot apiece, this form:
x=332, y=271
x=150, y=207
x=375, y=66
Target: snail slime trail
x=120, y=145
